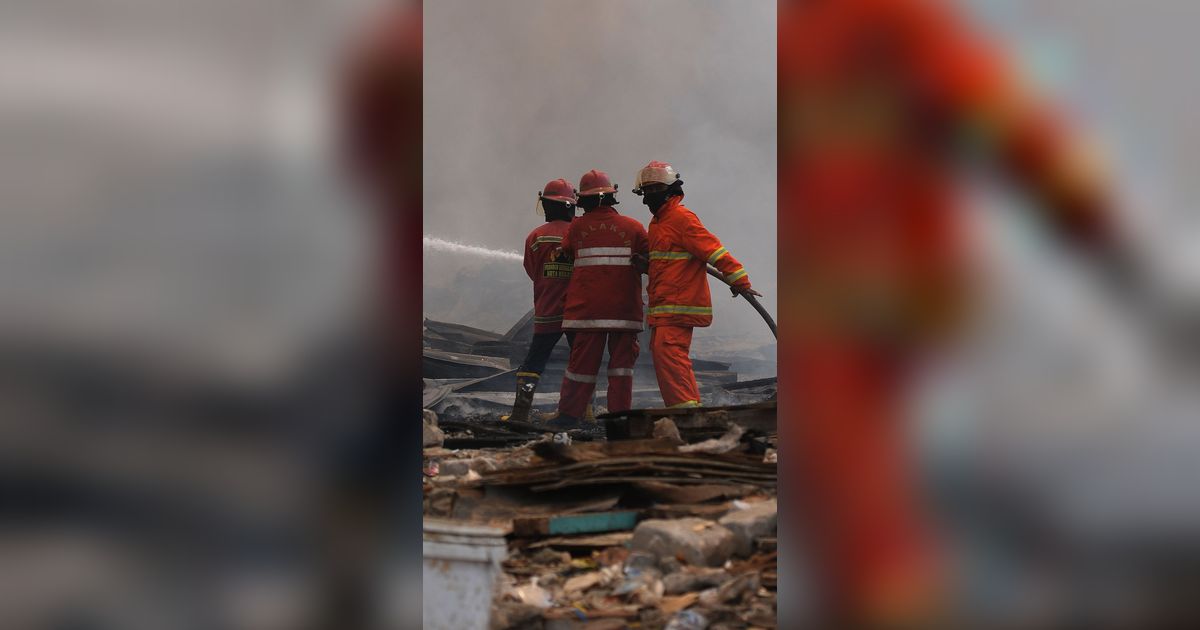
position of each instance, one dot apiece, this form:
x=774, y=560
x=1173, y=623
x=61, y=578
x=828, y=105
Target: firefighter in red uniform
x=550, y=279
x=878, y=101
x=680, y=251
x=604, y=300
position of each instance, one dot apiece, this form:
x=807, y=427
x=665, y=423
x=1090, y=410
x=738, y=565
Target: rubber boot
x=526, y=387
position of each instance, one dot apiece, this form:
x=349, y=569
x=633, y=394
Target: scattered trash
x=562, y=438
x=723, y=444
x=533, y=595
x=688, y=620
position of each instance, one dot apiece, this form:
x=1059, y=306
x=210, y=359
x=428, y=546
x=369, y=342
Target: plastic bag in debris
x=637, y=562
x=687, y=620
x=646, y=590
x=723, y=444
x=532, y=594
x=562, y=438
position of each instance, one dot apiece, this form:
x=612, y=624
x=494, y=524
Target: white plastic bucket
x=461, y=564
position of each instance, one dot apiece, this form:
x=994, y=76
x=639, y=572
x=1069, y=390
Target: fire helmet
x=595, y=182
x=655, y=173
x=558, y=190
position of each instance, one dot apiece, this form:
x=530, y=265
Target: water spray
x=432, y=243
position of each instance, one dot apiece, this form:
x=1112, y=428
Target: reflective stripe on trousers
x=580, y=378
x=680, y=309
x=587, y=352
x=669, y=346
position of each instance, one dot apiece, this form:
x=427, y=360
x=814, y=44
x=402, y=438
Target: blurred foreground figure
x=604, y=300
x=550, y=279
x=880, y=101
x=680, y=251
x=379, y=95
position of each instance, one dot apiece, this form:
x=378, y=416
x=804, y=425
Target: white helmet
x=655, y=173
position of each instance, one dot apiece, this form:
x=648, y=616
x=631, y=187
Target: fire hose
x=712, y=271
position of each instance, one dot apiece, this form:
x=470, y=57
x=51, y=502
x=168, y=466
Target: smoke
x=450, y=247
x=522, y=92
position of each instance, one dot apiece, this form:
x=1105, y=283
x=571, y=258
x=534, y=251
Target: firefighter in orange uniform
x=680, y=250
x=879, y=100
x=550, y=279
x=604, y=300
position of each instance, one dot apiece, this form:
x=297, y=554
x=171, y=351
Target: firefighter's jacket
x=680, y=250
x=550, y=278
x=605, y=293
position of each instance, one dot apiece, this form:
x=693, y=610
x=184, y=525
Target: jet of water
x=432, y=243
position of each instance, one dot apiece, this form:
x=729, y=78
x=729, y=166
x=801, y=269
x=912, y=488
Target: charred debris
x=649, y=518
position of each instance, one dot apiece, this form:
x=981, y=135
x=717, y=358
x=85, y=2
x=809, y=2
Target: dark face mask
x=557, y=210
x=654, y=201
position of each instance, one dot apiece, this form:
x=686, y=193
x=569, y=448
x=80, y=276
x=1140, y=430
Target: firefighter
x=879, y=100
x=550, y=278
x=680, y=250
x=604, y=300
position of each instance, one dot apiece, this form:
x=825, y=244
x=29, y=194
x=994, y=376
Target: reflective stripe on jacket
x=605, y=293
x=550, y=278
x=680, y=249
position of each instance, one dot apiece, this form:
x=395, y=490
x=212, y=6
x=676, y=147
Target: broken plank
x=671, y=493
x=565, y=524
x=615, y=539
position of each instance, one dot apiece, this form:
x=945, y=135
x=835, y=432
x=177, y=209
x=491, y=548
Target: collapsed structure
x=472, y=372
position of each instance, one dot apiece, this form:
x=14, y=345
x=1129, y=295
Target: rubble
x=749, y=524
x=650, y=518
x=695, y=541
x=665, y=429
x=431, y=435
x=693, y=580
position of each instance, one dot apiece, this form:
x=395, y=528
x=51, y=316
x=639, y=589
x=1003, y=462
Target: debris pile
x=651, y=518
x=670, y=526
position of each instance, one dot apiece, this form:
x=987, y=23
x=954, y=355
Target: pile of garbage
x=649, y=531
x=688, y=572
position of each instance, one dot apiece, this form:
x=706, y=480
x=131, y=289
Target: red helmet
x=558, y=190
x=595, y=182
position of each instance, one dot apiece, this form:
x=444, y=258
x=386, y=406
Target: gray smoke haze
x=521, y=92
